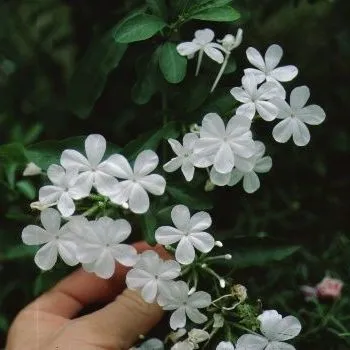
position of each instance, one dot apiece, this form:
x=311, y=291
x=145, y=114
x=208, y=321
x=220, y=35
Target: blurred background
x=56, y=82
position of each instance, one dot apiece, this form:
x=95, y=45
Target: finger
x=81, y=288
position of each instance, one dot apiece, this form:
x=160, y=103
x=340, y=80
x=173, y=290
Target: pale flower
x=230, y=42
x=31, y=169
x=276, y=331
x=93, y=171
x=195, y=336
x=67, y=185
x=137, y=181
x=177, y=299
x=99, y=244
x=57, y=240
x=251, y=182
x=188, y=231
x=266, y=69
x=329, y=288
x=225, y=345
x=152, y=275
x=202, y=43
x=295, y=117
x=254, y=99
x=151, y=344
x=220, y=145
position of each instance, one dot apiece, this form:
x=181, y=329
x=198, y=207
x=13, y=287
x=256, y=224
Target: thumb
x=122, y=322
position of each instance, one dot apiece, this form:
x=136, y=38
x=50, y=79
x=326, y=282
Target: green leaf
x=138, y=28
x=172, y=65
x=218, y=14
x=158, y=8
x=186, y=195
x=243, y=258
x=89, y=79
x=150, y=140
x=12, y=153
x=148, y=224
x=18, y=252
x=27, y=189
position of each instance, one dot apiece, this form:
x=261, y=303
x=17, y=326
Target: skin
x=49, y=322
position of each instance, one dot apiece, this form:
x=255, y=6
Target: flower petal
x=287, y=328
x=250, y=84
x=259, y=75
x=82, y=186
x=195, y=316
x=301, y=134
x=56, y=174
x=178, y=318
x=219, y=179
x=187, y=169
x=202, y=241
x=118, y=166
x=224, y=159
x=149, y=291
x=263, y=165
x=240, y=94
x=255, y=58
x=312, y=115
x=66, y=205
x=251, y=342
x=51, y=220
x=180, y=215
x=215, y=54
x=104, y=266
x=273, y=57
x=73, y=159
x=105, y=184
x=189, y=140
x=266, y=110
x=122, y=192
x=299, y=96
x=32, y=235
x=125, y=254
x=153, y=183
x=244, y=164
x=169, y=270
x=173, y=164
x=276, y=345
x=176, y=147
x=251, y=182
x=212, y=126
x=46, y=256
x=204, y=36
x=187, y=48
x=283, y=131
x=236, y=176
x=246, y=110
x=199, y=300
x=284, y=110
x=185, y=253
x=95, y=148
x=49, y=195
x=138, y=200
x=145, y=163
x=286, y=73
x=200, y=221
x=168, y=235
x=137, y=278
x=67, y=251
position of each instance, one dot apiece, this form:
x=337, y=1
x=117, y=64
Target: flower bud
x=209, y=186
x=329, y=288
x=219, y=244
x=31, y=170
x=230, y=42
x=239, y=291
x=222, y=283
x=38, y=206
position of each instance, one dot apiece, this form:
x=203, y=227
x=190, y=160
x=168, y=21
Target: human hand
x=49, y=323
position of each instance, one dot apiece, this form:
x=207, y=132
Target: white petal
x=255, y=58
x=173, y=164
x=240, y=95
x=145, y=163
x=199, y=300
x=51, y=219
x=284, y=110
x=105, y=184
x=225, y=345
x=33, y=235
x=279, y=346
x=212, y=126
x=178, y=318
x=312, y=115
x=282, y=132
x=286, y=73
x=56, y=174
x=238, y=125
x=118, y=166
x=259, y=75
x=87, y=253
x=266, y=110
x=259, y=149
x=149, y=291
x=46, y=256
x=187, y=169
x=204, y=36
x=263, y=165
x=72, y=159
x=214, y=54
x=104, y=266
x=287, y=328
x=195, y=316
x=66, y=205
x=251, y=342
x=169, y=270
x=187, y=49
x=268, y=90
x=168, y=235
x=121, y=230
x=301, y=134
x=180, y=216
x=149, y=261
x=219, y=179
x=137, y=278
x=176, y=146
x=246, y=110
x=202, y=241
x=67, y=251
x=250, y=85
x=205, y=150
x=299, y=96
x=251, y=182
x=153, y=183
x=185, y=253
x=122, y=192
x=124, y=254
x=224, y=159
x=138, y=200
x=189, y=140
x=200, y=221
x=49, y=195
x=236, y=177
x=273, y=56
x=95, y=148
x=244, y=164
x=82, y=186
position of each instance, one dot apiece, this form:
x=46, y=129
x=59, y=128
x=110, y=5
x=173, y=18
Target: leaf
x=18, y=252
x=12, y=153
x=243, y=258
x=172, y=65
x=190, y=197
x=218, y=14
x=150, y=140
x=138, y=28
x=27, y=189
x=89, y=79
x=148, y=224
x=158, y=8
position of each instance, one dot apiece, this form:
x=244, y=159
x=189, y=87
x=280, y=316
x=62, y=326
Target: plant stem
x=221, y=72
x=199, y=61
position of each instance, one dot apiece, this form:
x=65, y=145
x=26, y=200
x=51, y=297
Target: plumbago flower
x=195, y=336
x=295, y=116
x=93, y=171
x=202, y=43
x=99, y=244
x=152, y=275
x=220, y=145
x=137, y=181
x=266, y=69
x=188, y=231
x=275, y=329
x=251, y=182
x=177, y=299
x=256, y=99
x=67, y=185
x=225, y=345
x=57, y=240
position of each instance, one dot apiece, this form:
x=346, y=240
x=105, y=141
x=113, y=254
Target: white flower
x=56, y=240
x=185, y=157
x=195, y=336
x=151, y=344
x=137, y=181
x=178, y=299
x=202, y=42
x=31, y=170
x=152, y=275
x=92, y=170
x=182, y=345
x=267, y=68
x=230, y=42
x=296, y=116
x=99, y=245
x=220, y=144
x=67, y=185
x=225, y=345
x=256, y=99
x=275, y=330
x=251, y=182
x=188, y=231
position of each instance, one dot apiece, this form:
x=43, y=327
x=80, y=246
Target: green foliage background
x=66, y=70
